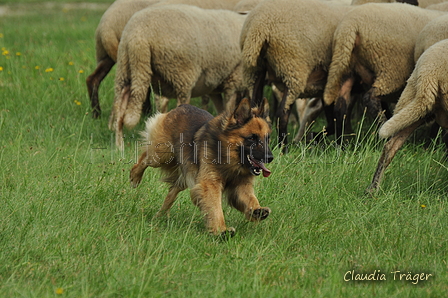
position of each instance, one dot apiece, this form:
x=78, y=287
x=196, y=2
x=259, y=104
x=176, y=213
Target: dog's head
x=248, y=127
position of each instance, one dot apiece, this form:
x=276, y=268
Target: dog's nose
x=269, y=157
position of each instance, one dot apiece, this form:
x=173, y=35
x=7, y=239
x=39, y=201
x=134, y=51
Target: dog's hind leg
x=169, y=200
x=389, y=151
x=242, y=198
x=138, y=169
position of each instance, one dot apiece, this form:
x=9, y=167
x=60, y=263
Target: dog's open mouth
x=257, y=167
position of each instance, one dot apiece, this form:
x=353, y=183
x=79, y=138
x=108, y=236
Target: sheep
x=442, y=6
x=206, y=4
x=245, y=6
x=427, y=3
x=359, y=2
x=107, y=38
x=433, y=32
x=425, y=94
x=375, y=42
x=196, y=55
x=291, y=41
x=108, y=35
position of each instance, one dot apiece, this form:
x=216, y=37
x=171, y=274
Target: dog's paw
x=260, y=214
x=227, y=234
x=135, y=179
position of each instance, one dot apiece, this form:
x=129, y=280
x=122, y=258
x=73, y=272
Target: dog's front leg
x=207, y=195
x=242, y=197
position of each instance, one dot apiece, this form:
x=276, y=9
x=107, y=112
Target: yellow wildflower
x=49, y=69
x=61, y=79
x=81, y=71
x=1, y=68
x=5, y=52
x=423, y=206
x=59, y=291
x=1, y=35
x=71, y=63
x=18, y=53
x=77, y=102
x=36, y=67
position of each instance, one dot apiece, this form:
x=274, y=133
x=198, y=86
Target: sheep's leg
x=343, y=106
x=218, y=102
x=329, y=116
x=161, y=103
x=183, y=98
x=374, y=106
x=389, y=151
x=283, y=118
x=442, y=120
x=445, y=139
x=308, y=110
x=117, y=116
x=147, y=105
x=257, y=94
x=205, y=99
x=169, y=200
x=93, y=82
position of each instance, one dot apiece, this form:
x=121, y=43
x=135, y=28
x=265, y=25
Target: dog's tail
x=156, y=141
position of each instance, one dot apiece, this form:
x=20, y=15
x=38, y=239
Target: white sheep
x=206, y=4
x=442, y=6
x=426, y=93
x=245, y=6
x=107, y=38
x=375, y=42
x=427, y=3
x=434, y=31
x=291, y=41
x=359, y=2
x=108, y=35
x=195, y=55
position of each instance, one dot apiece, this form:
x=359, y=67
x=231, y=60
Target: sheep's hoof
x=96, y=113
x=260, y=214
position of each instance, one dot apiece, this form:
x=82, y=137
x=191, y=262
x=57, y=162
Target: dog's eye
x=252, y=138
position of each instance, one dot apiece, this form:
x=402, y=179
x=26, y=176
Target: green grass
x=71, y=226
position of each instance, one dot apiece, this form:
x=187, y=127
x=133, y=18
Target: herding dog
x=211, y=156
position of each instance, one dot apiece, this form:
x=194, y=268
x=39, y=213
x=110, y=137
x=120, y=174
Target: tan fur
x=207, y=155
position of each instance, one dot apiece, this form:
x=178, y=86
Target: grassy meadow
x=71, y=225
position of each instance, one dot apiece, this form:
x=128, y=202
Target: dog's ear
x=263, y=109
x=243, y=112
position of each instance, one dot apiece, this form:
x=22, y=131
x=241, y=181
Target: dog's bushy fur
x=211, y=156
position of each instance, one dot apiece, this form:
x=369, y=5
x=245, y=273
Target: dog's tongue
x=266, y=171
